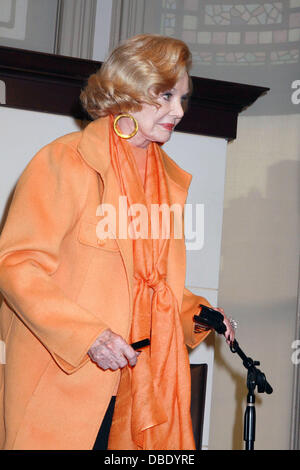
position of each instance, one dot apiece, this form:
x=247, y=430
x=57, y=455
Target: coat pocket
x=87, y=235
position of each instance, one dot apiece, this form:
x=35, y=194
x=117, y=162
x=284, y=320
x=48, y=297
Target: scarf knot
x=155, y=281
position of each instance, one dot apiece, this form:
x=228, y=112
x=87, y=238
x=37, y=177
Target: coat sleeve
x=46, y=204
x=190, y=308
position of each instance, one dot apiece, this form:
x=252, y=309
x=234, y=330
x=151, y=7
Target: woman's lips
x=168, y=126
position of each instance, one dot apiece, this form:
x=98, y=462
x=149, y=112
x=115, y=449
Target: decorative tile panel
x=225, y=33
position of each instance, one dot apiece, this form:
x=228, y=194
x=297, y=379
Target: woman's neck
x=140, y=156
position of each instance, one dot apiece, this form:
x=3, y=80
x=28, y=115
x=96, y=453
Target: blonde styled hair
x=137, y=71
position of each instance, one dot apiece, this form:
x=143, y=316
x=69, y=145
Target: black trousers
x=103, y=434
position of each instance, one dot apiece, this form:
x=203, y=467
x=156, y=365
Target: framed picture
x=29, y=24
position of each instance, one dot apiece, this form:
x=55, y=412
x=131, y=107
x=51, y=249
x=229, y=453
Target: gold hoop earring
x=125, y=136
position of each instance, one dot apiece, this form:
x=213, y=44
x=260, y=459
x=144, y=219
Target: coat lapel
x=94, y=147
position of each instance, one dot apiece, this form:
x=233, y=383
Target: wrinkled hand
x=111, y=351
x=229, y=333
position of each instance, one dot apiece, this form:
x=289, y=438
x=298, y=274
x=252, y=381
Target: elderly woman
x=79, y=289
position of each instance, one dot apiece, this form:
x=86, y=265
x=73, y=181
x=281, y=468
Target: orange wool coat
x=62, y=287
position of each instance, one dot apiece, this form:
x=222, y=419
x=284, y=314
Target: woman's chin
x=164, y=139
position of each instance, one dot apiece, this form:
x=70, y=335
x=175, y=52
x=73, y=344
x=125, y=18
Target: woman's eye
x=167, y=96
x=184, y=99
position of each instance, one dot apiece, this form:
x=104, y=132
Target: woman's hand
x=110, y=351
x=229, y=333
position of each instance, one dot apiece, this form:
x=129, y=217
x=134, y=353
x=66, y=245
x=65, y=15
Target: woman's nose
x=178, y=109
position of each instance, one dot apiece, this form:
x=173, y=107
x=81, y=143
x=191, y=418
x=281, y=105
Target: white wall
x=22, y=134
x=259, y=278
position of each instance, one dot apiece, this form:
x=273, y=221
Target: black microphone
x=209, y=318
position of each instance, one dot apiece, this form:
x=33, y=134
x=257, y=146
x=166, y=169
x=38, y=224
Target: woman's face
x=157, y=124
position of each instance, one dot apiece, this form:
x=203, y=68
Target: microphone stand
x=210, y=318
x=255, y=378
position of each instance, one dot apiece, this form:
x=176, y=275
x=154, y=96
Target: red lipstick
x=168, y=126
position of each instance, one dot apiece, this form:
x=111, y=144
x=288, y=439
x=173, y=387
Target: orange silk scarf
x=153, y=403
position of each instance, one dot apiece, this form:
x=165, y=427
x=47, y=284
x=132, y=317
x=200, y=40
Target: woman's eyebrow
x=175, y=89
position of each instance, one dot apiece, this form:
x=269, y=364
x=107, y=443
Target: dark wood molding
x=51, y=83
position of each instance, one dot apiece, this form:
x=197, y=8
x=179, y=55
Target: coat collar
x=94, y=148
